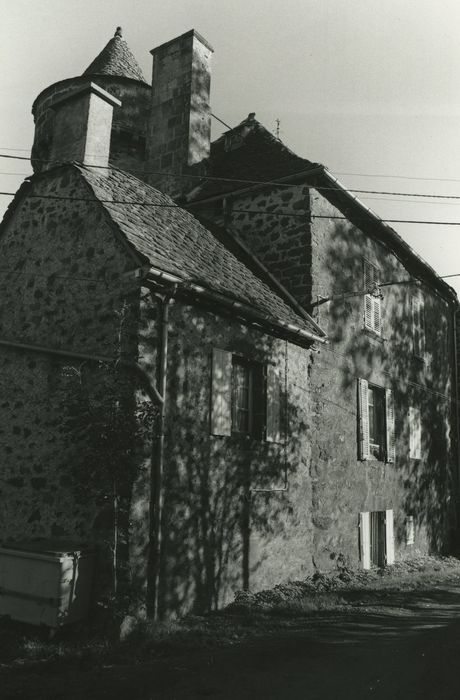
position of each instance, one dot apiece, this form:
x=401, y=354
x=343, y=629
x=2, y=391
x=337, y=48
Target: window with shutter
x=418, y=326
x=221, y=408
x=372, y=302
x=376, y=424
x=389, y=540
x=376, y=536
x=273, y=432
x=390, y=426
x=363, y=419
x=246, y=397
x=364, y=539
x=415, y=433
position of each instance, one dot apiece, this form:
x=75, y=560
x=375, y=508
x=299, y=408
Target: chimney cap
x=191, y=33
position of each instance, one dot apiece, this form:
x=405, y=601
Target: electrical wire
x=251, y=211
x=276, y=183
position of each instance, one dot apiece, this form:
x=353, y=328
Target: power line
x=251, y=211
x=276, y=183
x=401, y=177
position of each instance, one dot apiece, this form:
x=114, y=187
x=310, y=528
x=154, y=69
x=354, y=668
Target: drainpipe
x=157, y=465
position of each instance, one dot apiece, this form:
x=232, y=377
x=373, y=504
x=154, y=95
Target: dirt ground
x=390, y=634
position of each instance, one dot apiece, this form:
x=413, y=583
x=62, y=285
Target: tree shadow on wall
x=209, y=505
x=427, y=485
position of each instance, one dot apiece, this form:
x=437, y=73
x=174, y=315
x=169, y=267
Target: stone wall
x=62, y=288
x=236, y=508
x=274, y=225
x=324, y=258
x=342, y=485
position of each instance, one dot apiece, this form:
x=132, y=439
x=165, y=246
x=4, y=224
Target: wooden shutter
x=422, y=327
x=363, y=419
x=273, y=394
x=418, y=326
x=365, y=539
x=377, y=314
x=390, y=426
x=368, y=280
x=372, y=305
x=221, y=406
x=415, y=433
x=389, y=535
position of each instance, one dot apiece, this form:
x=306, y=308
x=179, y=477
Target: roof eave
x=245, y=311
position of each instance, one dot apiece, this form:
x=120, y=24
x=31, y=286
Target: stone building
x=217, y=364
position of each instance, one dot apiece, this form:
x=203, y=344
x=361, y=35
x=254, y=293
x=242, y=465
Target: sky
x=371, y=89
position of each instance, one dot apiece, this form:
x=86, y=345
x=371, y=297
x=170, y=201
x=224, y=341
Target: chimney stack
x=82, y=126
x=180, y=123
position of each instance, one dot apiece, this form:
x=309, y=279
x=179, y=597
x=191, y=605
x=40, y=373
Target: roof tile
x=176, y=242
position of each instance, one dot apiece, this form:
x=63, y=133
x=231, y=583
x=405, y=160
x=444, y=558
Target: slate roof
x=116, y=59
x=175, y=242
x=248, y=152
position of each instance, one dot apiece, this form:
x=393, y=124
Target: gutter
x=245, y=311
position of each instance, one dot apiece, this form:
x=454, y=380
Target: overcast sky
x=369, y=88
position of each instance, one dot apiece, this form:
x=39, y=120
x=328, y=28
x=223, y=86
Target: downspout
x=157, y=465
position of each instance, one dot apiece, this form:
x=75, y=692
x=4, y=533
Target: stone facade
x=314, y=250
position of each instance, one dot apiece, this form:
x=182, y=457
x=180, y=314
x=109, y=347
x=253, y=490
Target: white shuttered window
x=418, y=326
x=221, y=408
x=365, y=539
x=273, y=426
x=390, y=426
x=372, y=303
x=415, y=433
x=363, y=413
x=376, y=423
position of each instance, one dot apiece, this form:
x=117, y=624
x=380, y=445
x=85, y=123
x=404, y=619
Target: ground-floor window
x=376, y=538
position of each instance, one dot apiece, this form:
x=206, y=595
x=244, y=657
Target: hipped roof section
x=250, y=154
x=170, y=239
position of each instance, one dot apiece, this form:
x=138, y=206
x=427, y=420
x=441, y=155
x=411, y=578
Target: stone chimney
x=82, y=126
x=180, y=123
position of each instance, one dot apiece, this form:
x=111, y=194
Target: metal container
x=46, y=582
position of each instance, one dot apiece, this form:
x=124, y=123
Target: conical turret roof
x=116, y=59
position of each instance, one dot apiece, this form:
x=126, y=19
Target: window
x=245, y=397
x=376, y=423
x=418, y=326
x=410, y=530
x=376, y=410
x=248, y=400
x=376, y=537
x=372, y=300
x=415, y=433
